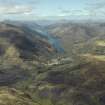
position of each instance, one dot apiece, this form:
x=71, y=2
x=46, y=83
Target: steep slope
x=21, y=49
x=42, y=32
x=27, y=42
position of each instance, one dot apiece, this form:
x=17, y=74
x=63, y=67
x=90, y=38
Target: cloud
x=92, y=8
x=10, y=2
x=15, y=9
x=65, y=11
x=97, y=5
x=75, y=12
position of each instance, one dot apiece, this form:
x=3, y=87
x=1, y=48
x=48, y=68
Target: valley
x=64, y=66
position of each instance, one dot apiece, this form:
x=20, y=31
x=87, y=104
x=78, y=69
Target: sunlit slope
x=14, y=97
x=95, y=47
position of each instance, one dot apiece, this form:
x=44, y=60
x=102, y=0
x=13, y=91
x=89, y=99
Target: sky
x=51, y=9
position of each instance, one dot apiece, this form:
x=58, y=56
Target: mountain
x=22, y=52
x=34, y=72
x=80, y=82
x=22, y=48
x=42, y=32
x=76, y=33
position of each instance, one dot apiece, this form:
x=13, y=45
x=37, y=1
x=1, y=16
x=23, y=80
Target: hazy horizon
x=52, y=10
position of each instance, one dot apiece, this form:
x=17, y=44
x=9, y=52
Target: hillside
x=79, y=83
x=75, y=34
x=14, y=97
x=21, y=50
x=33, y=72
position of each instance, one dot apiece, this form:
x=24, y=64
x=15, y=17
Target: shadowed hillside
x=20, y=50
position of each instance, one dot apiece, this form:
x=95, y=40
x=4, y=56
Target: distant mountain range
x=73, y=34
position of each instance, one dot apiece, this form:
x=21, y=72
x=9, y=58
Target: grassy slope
x=14, y=97
x=19, y=54
x=79, y=83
